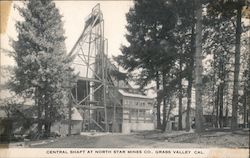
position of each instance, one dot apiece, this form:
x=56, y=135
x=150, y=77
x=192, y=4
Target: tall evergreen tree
x=234, y=123
x=151, y=46
x=227, y=8
x=42, y=65
x=219, y=42
x=185, y=45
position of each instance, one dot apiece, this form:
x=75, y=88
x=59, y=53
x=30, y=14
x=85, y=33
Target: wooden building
x=137, y=112
x=133, y=113
x=61, y=127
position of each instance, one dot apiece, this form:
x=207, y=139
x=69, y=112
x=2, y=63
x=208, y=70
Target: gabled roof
x=76, y=115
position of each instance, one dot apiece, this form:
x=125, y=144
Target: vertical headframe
x=90, y=62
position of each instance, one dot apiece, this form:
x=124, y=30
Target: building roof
x=76, y=115
x=126, y=94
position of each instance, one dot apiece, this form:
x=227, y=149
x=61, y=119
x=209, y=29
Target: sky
x=74, y=14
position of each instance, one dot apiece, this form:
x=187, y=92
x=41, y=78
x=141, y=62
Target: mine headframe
x=90, y=64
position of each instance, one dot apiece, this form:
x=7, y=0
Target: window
x=133, y=113
x=130, y=103
x=126, y=102
x=143, y=104
x=141, y=113
x=149, y=103
x=148, y=113
x=137, y=103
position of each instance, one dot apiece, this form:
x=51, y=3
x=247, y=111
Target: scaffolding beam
x=90, y=64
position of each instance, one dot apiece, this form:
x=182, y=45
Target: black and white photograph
x=125, y=78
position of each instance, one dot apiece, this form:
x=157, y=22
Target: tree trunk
x=221, y=92
x=226, y=100
x=248, y=90
x=164, y=113
x=169, y=110
x=189, y=99
x=234, y=123
x=198, y=69
x=226, y=123
x=246, y=96
x=164, y=123
x=70, y=113
x=39, y=111
x=51, y=115
x=180, y=96
x=221, y=105
x=245, y=106
x=158, y=105
x=46, y=128
x=46, y=118
x=190, y=74
x=50, y=118
x=215, y=96
x=217, y=107
x=248, y=104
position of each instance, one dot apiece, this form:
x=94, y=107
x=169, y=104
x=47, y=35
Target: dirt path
x=105, y=141
x=159, y=140
x=111, y=141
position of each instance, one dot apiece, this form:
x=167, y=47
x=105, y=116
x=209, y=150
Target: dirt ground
x=153, y=139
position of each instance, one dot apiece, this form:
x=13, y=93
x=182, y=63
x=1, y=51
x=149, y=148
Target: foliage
x=42, y=70
x=150, y=42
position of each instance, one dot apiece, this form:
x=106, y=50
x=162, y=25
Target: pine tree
x=219, y=41
x=234, y=123
x=227, y=9
x=151, y=46
x=185, y=37
x=42, y=65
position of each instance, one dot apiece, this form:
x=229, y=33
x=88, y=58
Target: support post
x=104, y=78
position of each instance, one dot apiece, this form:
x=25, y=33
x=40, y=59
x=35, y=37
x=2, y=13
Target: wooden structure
x=97, y=94
x=90, y=64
